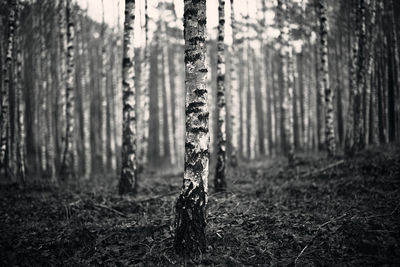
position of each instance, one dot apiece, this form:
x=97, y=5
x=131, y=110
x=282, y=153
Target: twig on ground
x=395, y=209
x=110, y=209
x=104, y=238
x=330, y=166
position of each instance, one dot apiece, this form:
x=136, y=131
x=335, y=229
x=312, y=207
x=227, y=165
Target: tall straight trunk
x=394, y=92
x=51, y=153
x=265, y=109
x=277, y=104
x=235, y=96
x=339, y=86
x=296, y=103
x=220, y=181
x=271, y=112
x=21, y=164
x=289, y=117
x=167, y=87
x=43, y=96
x=244, y=106
x=62, y=77
x=87, y=147
x=349, y=141
x=144, y=94
x=361, y=76
x=179, y=106
x=370, y=66
x=324, y=82
x=127, y=183
x=7, y=70
x=67, y=167
x=103, y=94
x=253, y=134
x=160, y=106
x=286, y=54
x=111, y=108
x=190, y=221
x=304, y=62
x=264, y=99
x=320, y=90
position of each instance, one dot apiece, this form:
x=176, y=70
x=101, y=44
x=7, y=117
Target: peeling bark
x=220, y=173
x=324, y=81
x=67, y=167
x=190, y=220
x=127, y=183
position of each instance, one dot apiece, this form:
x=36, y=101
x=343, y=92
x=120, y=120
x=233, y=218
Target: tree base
x=190, y=237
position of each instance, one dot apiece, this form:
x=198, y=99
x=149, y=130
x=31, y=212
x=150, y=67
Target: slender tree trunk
x=324, y=82
x=320, y=90
x=394, y=106
x=167, y=87
x=179, y=105
x=144, y=94
x=351, y=116
x=244, y=106
x=190, y=208
x=21, y=165
x=289, y=117
x=87, y=147
x=235, y=96
x=339, y=86
x=7, y=70
x=43, y=96
x=220, y=181
x=103, y=94
x=160, y=97
x=127, y=183
x=271, y=112
x=286, y=54
x=62, y=107
x=67, y=167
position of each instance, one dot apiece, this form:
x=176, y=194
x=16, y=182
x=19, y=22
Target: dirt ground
x=272, y=215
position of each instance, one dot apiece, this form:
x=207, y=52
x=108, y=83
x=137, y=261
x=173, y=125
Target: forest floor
x=345, y=215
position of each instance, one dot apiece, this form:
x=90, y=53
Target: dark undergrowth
x=319, y=213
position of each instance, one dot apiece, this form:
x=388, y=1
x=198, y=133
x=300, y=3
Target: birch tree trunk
x=103, y=94
x=160, y=109
x=286, y=54
x=7, y=70
x=62, y=49
x=253, y=134
x=167, y=86
x=127, y=183
x=21, y=165
x=67, y=167
x=220, y=180
x=87, y=147
x=190, y=208
x=361, y=75
x=235, y=100
x=320, y=91
x=350, y=124
x=144, y=94
x=244, y=105
x=43, y=96
x=288, y=103
x=370, y=66
x=324, y=82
